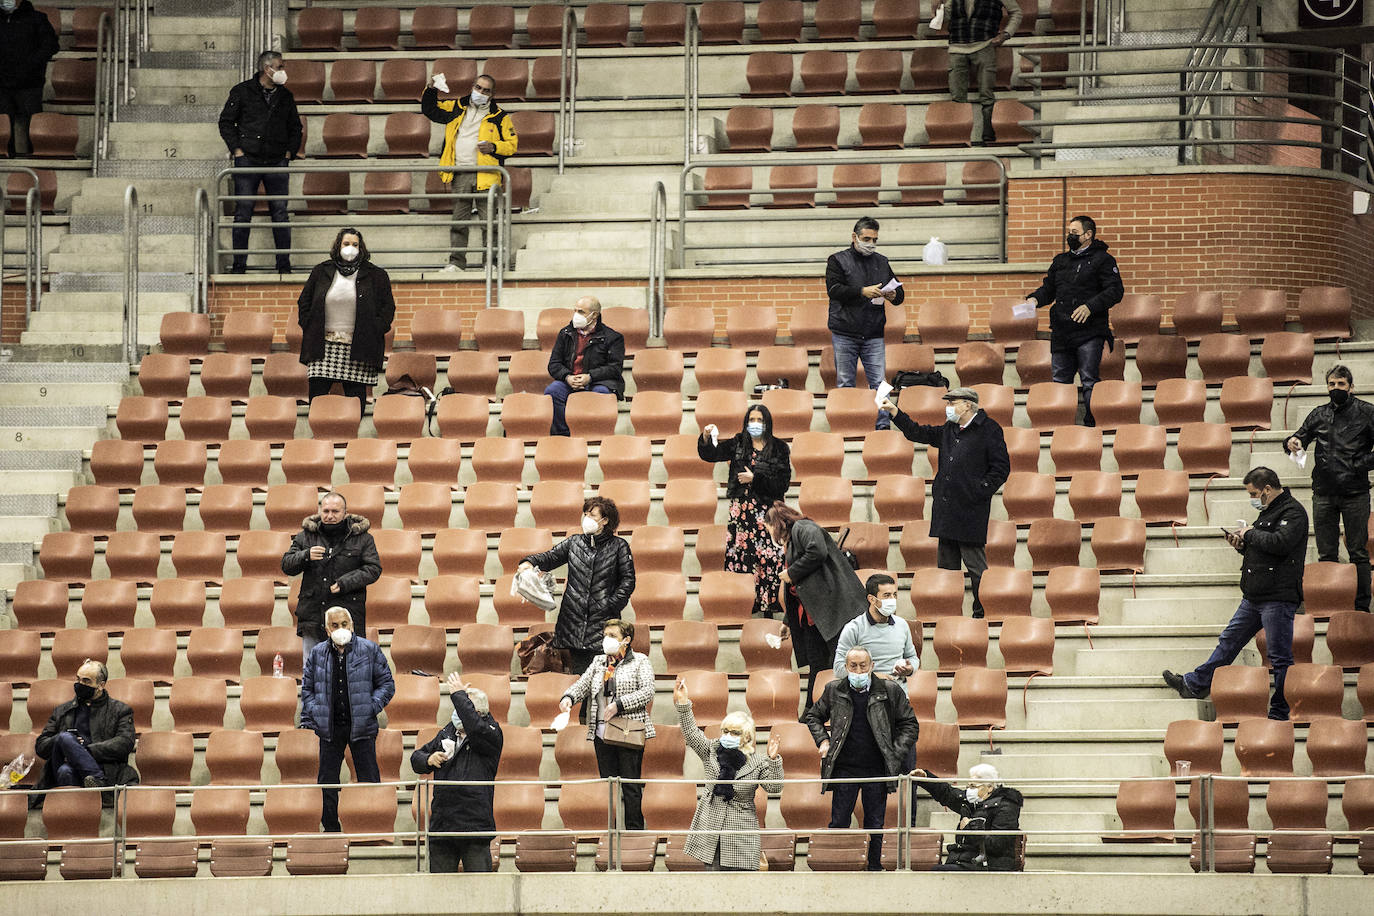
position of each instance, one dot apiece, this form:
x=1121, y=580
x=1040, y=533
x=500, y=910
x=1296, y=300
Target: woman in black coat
x=820, y=590
x=760, y=471
x=345, y=312
x=601, y=578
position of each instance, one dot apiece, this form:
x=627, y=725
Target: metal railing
x=255, y=34
x=203, y=253
x=684, y=245
x=658, y=258
x=33, y=240
x=1349, y=120
x=1224, y=19
x=691, y=75
x=1203, y=836
x=131, y=235
x=121, y=39
x=497, y=223
x=567, y=88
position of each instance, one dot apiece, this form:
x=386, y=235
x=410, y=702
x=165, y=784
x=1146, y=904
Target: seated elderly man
x=984, y=805
x=88, y=739
x=587, y=356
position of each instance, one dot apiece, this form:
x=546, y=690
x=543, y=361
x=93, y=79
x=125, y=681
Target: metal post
x=131, y=275
x=1206, y=825
x=567, y=87
x=33, y=258
x=691, y=39
x=121, y=828
x=422, y=833
x=615, y=812
x=658, y=256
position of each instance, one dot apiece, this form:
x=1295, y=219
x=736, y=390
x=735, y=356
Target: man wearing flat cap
x=973, y=466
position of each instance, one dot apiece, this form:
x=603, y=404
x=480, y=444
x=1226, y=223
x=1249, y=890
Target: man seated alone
x=88, y=739
x=587, y=356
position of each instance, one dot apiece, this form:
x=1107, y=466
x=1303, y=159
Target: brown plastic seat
x=297, y=760
x=528, y=370
x=73, y=816
x=793, y=185
x=407, y=133
x=388, y=602
x=1136, y=316
x=543, y=691
x=769, y=73
x=1161, y=496
x=1314, y=691
x=722, y=182
x=980, y=697
x=1051, y=404
x=688, y=329
x=1240, y=692
x=234, y=757
x=1033, y=363
x=274, y=641
x=1159, y=358
x=978, y=362
x=536, y=130
x=133, y=555
x=206, y=419
x=948, y=124
x=259, y=554
x=856, y=185
x=288, y=504
x=662, y=23
x=1336, y=746
x=982, y=183
x=215, y=652
x=425, y=507
x=709, y=691
x=658, y=370
x=415, y=646
x=19, y=655
x=1287, y=357
x=115, y=463
x=463, y=417
x=326, y=192
x=1221, y=356
x=850, y=412
x=885, y=452
x=1328, y=588
x=437, y=332
x=1325, y=311
x=387, y=192
x=941, y=591
x=164, y=758
x=226, y=375
x=141, y=419
x=1073, y=449
x=66, y=556
x=660, y=597
x=501, y=331
x=823, y=72
x=722, y=409
x=1247, y=403
x=658, y=548
x=402, y=418
x=353, y=80
x=185, y=333
x=720, y=368
x=631, y=498
x=512, y=76
x=1119, y=544
x=792, y=411
x=944, y=325
x=721, y=22
x=149, y=654
x=93, y=508
x=198, y=703
x=488, y=27
x=159, y=509
x=1197, y=314
x=960, y=641
x=1264, y=747
x=606, y=25
x=556, y=504
x=1094, y=495
x=318, y=28
x=179, y=604
x=899, y=499
x=690, y=644
x=284, y=376
x=371, y=461
x=1145, y=808
x=817, y=454
x=1005, y=592
x=878, y=70
x=1023, y=447
x=199, y=555
x=779, y=20
x=680, y=457
x=827, y=500
x=1196, y=741
x=471, y=372
x=345, y=135
x=248, y=332
x=690, y=503
x=501, y=460
x=1116, y=403
x=772, y=696
x=54, y=136
x=882, y=126
x=815, y=127
x=459, y=551
x=415, y=705
x=1350, y=637
x=271, y=418
x=164, y=375
x=1027, y=497
x=592, y=415
x=1054, y=542
x=378, y=28
x=1260, y=312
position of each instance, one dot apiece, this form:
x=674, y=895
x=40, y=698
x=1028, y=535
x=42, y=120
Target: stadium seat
x=465, y=417
x=1137, y=448
x=1221, y=356
x=1260, y=312
x=980, y=697
x=1005, y=592
x=1159, y=358
x=451, y=601
x=883, y=126
x=1325, y=312
x=1136, y=316
x=1119, y=544
x=662, y=23
x=960, y=642
x=1197, y=314
x=948, y=124
x=1094, y=495
x=1073, y=449
x=899, y=499
x=721, y=22
x=1198, y=742
x=941, y=591
x=1287, y=357
x=1054, y=542
x=1350, y=638
x=1336, y=746
x=1145, y=808
x=1028, y=497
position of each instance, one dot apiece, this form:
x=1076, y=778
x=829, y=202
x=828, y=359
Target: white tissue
x=440, y=82
x=884, y=389
x=773, y=640
x=559, y=722
x=1299, y=458
x=937, y=22
x=448, y=745
x=1022, y=310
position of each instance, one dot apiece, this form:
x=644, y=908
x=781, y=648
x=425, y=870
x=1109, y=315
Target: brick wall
x=1171, y=233
x=12, y=306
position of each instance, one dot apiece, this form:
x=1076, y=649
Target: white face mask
x=887, y=607
x=589, y=525
x=972, y=795
x=342, y=636
x=579, y=321
x=279, y=77
x=610, y=645
x=865, y=248
x=951, y=414
x=348, y=252
x=479, y=99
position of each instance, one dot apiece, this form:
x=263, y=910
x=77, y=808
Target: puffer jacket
x=353, y=563
x=1001, y=810
x=460, y=808
x=889, y=715
x=370, y=688
x=601, y=578
x=497, y=128
x=112, y=739
x=851, y=314
x=1345, y=447
x=1090, y=279
x=772, y=466
x=1275, y=550
x=27, y=43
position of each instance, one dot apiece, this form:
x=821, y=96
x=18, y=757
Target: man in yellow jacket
x=477, y=132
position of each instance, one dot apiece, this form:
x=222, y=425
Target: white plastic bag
x=935, y=252
x=937, y=22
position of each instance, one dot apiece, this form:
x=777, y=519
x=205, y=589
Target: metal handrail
x=765, y=160
x=203, y=254
x=104, y=90
x=498, y=219
x=255, y=34
x=658, y=258
x=33, y=241
x=691, y=73
x=567, y=87
x=131, y=233
x=1202, y=77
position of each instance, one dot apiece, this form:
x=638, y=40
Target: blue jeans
x=1276, y=619
x=843, y=795
x=559, y=391
x=1085, y=361
x=72, y=762
x=848, y=352
x=246, y=185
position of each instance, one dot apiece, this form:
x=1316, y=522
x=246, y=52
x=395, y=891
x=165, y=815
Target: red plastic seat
x=823, y=72
x=1264, y=747
x=606, y=25
x=1145, y=808
x=1287, y=357
x=1198, y=742
x=1054, y=542
x=1027, y=497
x=1325, y=311
x=54, y=136
x=882, y=126
x=1072, y=449
x=1260, y=312
x=948, y=124
x=318, y=28
x=816, y=127
x=1137, y=448
x=959, y=642
x=425, y=507
x=779, y=20
x=463, y=417
x=980, y=697
x=1051, y=404
x=721, y=22
x=1247, y=403
x=856, y=185
x=662, y=23
x=1094, y=495
x=1221, y=356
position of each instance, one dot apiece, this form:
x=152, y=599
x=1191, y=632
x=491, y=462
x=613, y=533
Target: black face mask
x=1338, y=396
x=1073, y=240
x=84, y=692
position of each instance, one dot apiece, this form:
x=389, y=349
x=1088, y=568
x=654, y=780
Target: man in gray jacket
x=872, y=728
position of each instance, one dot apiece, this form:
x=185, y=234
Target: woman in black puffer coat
x=601, y=578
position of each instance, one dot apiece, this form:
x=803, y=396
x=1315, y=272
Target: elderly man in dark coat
x=88, y=739
x=973, y=466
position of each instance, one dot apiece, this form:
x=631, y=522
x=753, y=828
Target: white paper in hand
x=1299, y=458
x=884, y=389
x=887, y=288
x=937, y=22
x=440, y=82
x=559, y=722
x=1022, y=310
x=773, y=640
x=448, y=744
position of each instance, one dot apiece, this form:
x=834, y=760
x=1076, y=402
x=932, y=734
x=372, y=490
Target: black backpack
x=910, y=379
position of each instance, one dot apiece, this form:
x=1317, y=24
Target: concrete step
x=102, y=302
x=622, y=259
x=94, y=252
x=1089, y=713
x=164, y=86
x=38, y=481
x=1015, y=765
x=14, y=394
x=1200, y=559
x=1172, y=612
x=138, y=140
x=1134, y=137
x=105, y=197
x=193, y=33
x=1174, y=654
x=51, y=428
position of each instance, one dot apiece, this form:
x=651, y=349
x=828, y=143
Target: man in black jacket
x=88, y=739
x=27, y=43
x=984, y=805
x=587, y=356
x=466, y=749
x=855, y=281
x=260, y=126
x=973, y=466
x=1271, y=586
x=1344, y=433
x=1083, y=283
x=337, y=560
x=872, y=729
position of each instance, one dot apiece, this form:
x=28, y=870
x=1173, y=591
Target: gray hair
x=479, y=700
x=102, y=673
x=268, y=57
x=859, y=649
x=334, y=494
x=336, y=609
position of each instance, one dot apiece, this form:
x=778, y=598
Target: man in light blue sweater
x=886, y=636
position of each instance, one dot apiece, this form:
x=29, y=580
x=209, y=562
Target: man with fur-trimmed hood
x=337, y=560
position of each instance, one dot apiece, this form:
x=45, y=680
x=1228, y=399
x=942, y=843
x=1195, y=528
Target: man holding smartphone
x=1274, y=551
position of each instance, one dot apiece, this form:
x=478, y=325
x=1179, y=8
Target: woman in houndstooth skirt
x=345, y=312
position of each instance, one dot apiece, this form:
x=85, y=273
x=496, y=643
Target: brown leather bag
x=538, y=654
x=622, y=731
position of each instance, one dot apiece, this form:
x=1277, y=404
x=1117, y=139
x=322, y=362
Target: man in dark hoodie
x=337, y=560
x=985, y=805
x=27, y=43
x=1083, y=284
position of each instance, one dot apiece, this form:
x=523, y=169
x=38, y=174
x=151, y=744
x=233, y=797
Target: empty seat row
x=817, y=127
x=853, y=185
x=876, y=70
x=1335, y=746
x=403, y=81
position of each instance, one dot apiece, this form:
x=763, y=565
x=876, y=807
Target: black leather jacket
x=1275, y=550
x=601, y=578
x=1345, y=447
x=603, y=359
x=889, y=715
x=112, y=739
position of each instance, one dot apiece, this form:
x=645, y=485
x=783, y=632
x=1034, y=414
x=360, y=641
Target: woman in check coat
x=727, y=801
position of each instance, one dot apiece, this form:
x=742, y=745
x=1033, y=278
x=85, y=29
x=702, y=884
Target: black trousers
x=812, y=650
x=625, y=763
x=331, y=759
x=319, y=386
x=974, y=557
x=446, y=853
x=842, y=798
x=1329, y=513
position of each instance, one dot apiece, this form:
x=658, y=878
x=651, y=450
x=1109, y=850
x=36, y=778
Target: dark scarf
x=729, y=762
x=336, y=532
x=348, y=268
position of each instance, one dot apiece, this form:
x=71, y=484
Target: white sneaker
x=451, y=268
